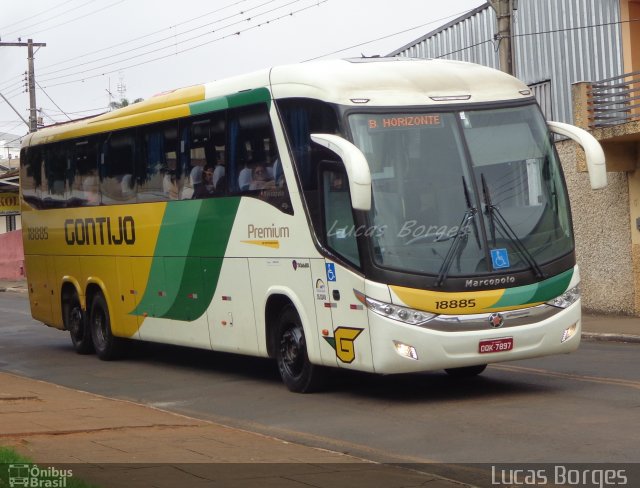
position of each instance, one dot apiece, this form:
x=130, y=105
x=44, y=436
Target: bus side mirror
x=356, y=165
x=592, y=150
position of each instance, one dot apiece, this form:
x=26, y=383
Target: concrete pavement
x=115, y=443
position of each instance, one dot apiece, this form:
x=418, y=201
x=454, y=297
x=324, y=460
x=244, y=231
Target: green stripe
x=206, y=106
x=188, y=258
x=249, y=97
x=536, y=293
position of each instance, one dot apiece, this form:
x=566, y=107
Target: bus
x=384, y=215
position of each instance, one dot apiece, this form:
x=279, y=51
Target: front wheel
x=75, y=322
x=107, y=346
x=467, y=371
x=297, y=372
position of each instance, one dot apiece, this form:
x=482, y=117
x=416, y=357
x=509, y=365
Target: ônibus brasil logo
x=31, y=475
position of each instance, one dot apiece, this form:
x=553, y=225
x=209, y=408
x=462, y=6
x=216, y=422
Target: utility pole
x=504, y=9
x=33, y=114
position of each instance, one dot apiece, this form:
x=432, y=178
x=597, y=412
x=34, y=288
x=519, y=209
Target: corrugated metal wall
x=563, y=41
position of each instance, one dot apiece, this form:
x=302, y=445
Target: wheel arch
x=69, y=286
x=95, y=286
x=277, y=299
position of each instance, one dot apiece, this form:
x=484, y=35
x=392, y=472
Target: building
x=582, y=60
x=9, y=151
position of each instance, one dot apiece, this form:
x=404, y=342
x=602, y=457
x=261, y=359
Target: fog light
x=406, y=350
x=569, y=333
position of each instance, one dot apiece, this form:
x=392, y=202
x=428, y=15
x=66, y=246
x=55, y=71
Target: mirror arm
x=593, y=151
x=356, y=165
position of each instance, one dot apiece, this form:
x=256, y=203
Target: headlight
x=566, y=299
x=395, y=312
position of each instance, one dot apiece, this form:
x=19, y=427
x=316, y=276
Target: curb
x=609, y=337
x=13, y=289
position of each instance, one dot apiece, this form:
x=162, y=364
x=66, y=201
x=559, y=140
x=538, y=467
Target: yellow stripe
x=156, y=109
x=449, y=303
x=271, y=244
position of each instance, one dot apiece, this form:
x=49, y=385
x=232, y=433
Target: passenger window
x=159, y=176
x=254, y=166
x=84, y=173
x=57, y=164
x=117, y=183
x=201, y=139
x=31, y=166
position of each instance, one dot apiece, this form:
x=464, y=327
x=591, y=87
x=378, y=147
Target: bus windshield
x=459, y=193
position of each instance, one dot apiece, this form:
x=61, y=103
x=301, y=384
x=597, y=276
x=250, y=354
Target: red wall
x=11, y=255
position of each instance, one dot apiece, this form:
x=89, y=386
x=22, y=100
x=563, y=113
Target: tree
x=123, y=103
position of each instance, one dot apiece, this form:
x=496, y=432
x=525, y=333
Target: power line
x=553, y=31
x=144, y=36
x=7, y=132
x=22, y=29
x=36, y=15
x=11, y=81
x=78, y=18
x=237, y=33
x=43, y=91
x=172, y=37
x=387, y=36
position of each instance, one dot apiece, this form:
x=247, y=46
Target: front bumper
x=453, y=341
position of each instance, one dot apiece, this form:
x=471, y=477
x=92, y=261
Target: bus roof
x=396, y=81
x=361, y=81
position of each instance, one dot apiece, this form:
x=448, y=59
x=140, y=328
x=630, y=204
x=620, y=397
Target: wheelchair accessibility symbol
x=331, y=271
x=500, y=258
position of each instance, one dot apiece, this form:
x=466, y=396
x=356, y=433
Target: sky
x=99, y=50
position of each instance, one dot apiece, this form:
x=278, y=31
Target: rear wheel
x=106, y=345
x=297, y=372
x=75, y=322
x=467, y=371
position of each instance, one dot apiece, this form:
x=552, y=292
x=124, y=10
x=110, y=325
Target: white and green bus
x=383, y=215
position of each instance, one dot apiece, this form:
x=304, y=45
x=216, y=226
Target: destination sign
x=402, y=121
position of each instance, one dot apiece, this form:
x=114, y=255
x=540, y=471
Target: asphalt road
x=577, y=408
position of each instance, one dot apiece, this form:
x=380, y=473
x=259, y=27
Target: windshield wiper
x=496, y=219
x=462, y=235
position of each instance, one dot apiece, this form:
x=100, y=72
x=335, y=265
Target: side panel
x=231, y=314
x=125, y=297
x=351, y=337
x=290, y=277
x=53, y=289
x=322, y=300
x=39, y=290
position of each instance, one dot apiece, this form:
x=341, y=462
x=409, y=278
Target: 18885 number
x=38, y=233
x=462, y=303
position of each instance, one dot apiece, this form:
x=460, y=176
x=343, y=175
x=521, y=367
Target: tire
x=75, y=322
x=297, y=373
x=106, y=345
x=467, y=371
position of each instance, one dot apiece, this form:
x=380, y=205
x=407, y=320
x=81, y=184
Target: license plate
x=495, y=345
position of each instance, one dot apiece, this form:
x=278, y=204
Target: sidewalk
x=115, y=443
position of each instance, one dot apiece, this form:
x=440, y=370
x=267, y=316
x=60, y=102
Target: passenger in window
x=127, y=186
x=90, y=186
x=205, y=188
x=244, y=178
x=195, y=180
x=170, y=185
x=260, y=179
x=218, y=174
